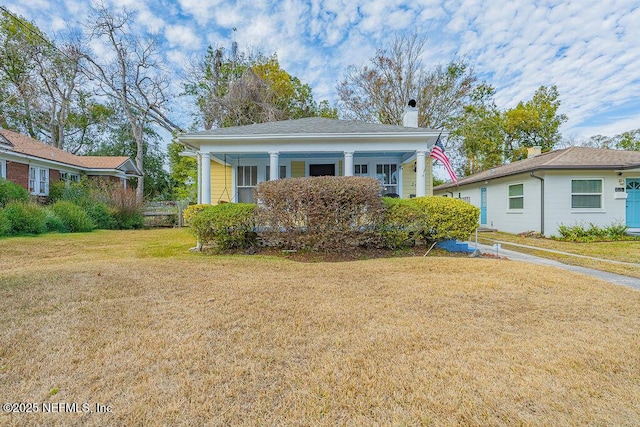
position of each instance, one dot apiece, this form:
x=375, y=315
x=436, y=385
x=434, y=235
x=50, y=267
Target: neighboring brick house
x=34, y=164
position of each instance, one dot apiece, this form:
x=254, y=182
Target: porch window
x=38, y=181
x=281, y=175
x=247, y=178
x=360, y=170
x=516, y=196
x=586, y=193
x=387, y=174
x=3, y=169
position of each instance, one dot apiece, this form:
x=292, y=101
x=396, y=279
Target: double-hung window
x=38, y=181
x=586, y=193
x=247, y=179
x=281, y=175
x=516, y=196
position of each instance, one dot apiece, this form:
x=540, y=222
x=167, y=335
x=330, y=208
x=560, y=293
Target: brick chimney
x=410, y=116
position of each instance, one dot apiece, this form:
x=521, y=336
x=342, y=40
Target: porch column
x=421, y=166
x=206, y=178
x=199, y=181
x=274, y=169
x=348, y=163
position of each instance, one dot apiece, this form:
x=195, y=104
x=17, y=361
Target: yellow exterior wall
x=218, y=190
x=297, y=169
x=409, y=178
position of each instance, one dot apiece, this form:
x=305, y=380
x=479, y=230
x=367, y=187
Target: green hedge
x=448, y=218
x=227, y=226
x=404, y=222
x=10, y=192
x=73, y=217
x=26, y=218
x=5, y=224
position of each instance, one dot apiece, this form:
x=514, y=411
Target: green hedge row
x=331, y=214
x=78, y=207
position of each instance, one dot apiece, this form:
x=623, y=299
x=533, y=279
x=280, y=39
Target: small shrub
x=74, y=218
x=10, y=192
x=191, y=211
x=100, y=214
x=227, y=226
x=54, y=223
x=5, y=224
x=593, y=233
x=403, y=223
x=26, y=218
x=126, y=211
x=448, y=218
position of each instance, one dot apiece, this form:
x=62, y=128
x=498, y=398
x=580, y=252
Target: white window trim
x=36, y=190
x=601, y=209
x=509, y=208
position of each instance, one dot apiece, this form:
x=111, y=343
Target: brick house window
x=3, y=169
x=38, y=181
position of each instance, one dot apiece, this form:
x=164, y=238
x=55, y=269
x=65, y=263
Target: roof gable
x=572, y=158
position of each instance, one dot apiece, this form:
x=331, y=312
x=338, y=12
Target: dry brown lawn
x=166, y=337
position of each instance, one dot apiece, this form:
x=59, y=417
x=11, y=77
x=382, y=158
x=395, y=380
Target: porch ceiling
x=230, y=157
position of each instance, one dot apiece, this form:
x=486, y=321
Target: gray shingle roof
x=568, y=158
x=311, y=125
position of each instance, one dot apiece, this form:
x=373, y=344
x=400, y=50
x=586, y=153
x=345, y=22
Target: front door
x=483, y=206
x=633, y=203
x=322, y=170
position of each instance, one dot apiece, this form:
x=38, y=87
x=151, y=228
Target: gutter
x=541, y=201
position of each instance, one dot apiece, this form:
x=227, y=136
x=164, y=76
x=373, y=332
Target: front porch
x=232, y=177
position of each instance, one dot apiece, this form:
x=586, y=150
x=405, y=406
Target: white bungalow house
x=576, y=185
x=35, y=165
x=232, y=161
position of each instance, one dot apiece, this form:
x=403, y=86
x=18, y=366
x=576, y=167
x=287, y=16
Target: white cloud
x=588, y=48
x=182, y=36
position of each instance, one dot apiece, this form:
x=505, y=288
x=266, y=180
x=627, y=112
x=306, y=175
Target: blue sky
x=589, y=49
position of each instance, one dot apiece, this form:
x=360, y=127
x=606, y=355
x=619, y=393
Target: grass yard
x=132, y=320
x=626, y=251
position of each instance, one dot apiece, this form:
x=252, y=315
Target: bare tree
x=380, y=91
x=131, y=75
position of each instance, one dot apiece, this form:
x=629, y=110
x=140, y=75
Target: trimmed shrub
x=227, y=226
x=448, y=218
x=10, y=192
x=26, y=218
x=403, y=223
x=191, y=211
x=74, y=218
x=319, y=213
x=5, y=224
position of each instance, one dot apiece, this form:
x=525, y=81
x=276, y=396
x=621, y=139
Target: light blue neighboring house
x=576, y=185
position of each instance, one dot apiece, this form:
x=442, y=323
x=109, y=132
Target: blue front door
x=483, y=206
x=633, y=203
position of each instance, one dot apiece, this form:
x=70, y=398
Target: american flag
x=437, y=152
